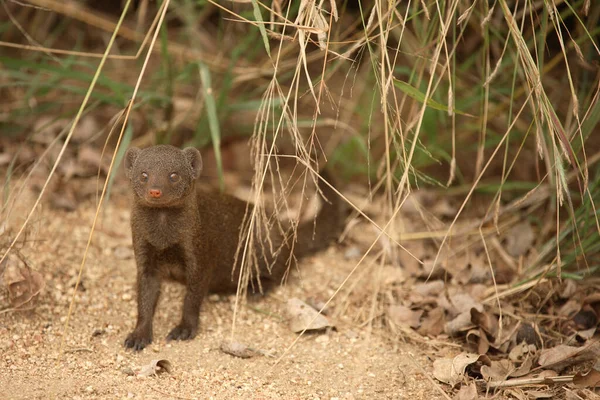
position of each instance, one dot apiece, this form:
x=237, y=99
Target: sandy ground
x=351, y=362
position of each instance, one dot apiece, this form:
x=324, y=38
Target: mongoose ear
x=195, y=159
x=130, y=156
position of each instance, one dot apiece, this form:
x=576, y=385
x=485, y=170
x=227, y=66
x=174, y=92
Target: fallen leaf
x=563, y=355
x=433, y=323
x=586, y=334
x=22, y=282
x=155, y=367
x=520, y=352
x=237, y=349
x=452, y=370
x=431, y=288
x=401, y=315
x=589, y=380
x=467, y=392
x=568, y=289
x=519, y=239
x=479, y=339
x=523, y=370
x=569, y=309
x=517, y=393
x=460, y=323
x=497, y=371
x=458, y=303
x=486, y=321
x=302, y=316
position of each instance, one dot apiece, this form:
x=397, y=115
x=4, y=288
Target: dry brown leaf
x=22, y=282
x=568, y=289
x=517, y=393
x=497, y=371
x=237, y=349
x=589, y=380
x=431, y=288
x=458, y=303
x=155, y=367
x=302, y=316
x=523, y=370
x=467, y=392
x=401, y=315
x=460, y=323
x=452, y=370
x=569, y=309
x=433, y=323
x=563, y=355
x=521, y=352
x=519, y=239
x=477, y=338
x=486, y=321
x=586, y=334
x=484, y=343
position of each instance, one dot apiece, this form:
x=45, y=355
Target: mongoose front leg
x=197, y=283
x=148, y=291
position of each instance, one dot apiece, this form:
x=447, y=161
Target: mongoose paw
x=182, y=332
x=137, y=342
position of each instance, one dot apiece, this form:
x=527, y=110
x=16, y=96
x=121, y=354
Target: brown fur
x=191, y=236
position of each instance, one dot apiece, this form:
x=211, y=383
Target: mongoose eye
x=174, y=177
x=144, y=177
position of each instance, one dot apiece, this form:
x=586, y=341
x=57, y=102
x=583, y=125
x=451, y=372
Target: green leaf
x=414, y=93
x=213, y=120
x=261, y=26
x=127, y=136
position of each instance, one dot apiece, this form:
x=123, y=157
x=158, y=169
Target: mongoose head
x=162, y=176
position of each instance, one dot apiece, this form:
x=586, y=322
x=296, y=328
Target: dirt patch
x=349, y=362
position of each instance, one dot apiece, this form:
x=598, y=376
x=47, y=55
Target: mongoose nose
x=156, y=193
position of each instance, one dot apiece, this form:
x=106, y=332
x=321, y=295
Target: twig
x=79, y=350
x=531, y=381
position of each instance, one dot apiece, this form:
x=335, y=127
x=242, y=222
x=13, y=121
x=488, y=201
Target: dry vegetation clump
x=462, y=134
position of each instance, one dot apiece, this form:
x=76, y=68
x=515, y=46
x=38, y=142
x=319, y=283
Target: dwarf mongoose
x=191, y=236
